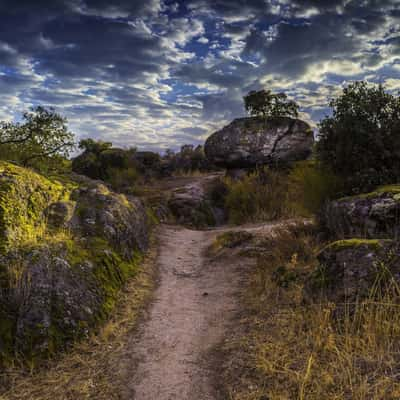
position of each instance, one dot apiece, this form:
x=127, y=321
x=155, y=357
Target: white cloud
x=202, y=40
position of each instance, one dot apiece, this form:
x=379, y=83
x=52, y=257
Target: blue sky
x=157, y=74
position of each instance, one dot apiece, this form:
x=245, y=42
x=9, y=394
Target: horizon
x=157, y=74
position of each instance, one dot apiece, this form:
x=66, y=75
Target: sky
x=157, y=74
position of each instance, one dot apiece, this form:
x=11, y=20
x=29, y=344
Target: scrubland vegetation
x=294, y=343
x=266, y=194
x=291, y=343
x=289, y=347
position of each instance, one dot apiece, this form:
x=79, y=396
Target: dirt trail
x=191, y=313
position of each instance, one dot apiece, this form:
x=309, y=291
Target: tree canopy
x=267, y=104
x=42, y=134
x=361, y=140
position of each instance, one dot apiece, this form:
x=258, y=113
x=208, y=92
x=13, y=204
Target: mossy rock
x=369, y=215
x=24, y=197
x=66, y=251
x=354, y=269
x=390, y=190
x=339, y=245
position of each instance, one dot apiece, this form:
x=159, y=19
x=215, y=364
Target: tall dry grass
x=259, y=196
x=292, y=350
x=267, y=194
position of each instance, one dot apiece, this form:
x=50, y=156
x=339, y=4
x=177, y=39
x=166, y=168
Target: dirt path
x=191, y=313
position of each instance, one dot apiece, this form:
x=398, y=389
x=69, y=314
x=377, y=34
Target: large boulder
x=65, y=251
x=248, y=142
x=370, y=215
x=354, y=269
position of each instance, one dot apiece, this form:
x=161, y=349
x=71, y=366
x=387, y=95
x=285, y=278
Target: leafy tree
x=100, y=160
x=42, y=137
x=267, y=104
x=94, y=146
x=361, y=140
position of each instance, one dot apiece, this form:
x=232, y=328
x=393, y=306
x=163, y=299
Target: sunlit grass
x=314, y=351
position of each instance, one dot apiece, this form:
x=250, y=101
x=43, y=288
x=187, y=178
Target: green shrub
x=360, y=141
x=100, y=160
x=266, y=195
x=122, y=179
x=310, y=185
x=267, y=104
x=260, y=196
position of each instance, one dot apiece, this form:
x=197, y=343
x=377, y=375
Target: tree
x=94, y=146
x=42, y=135
x=269, y=105
x=361, y=140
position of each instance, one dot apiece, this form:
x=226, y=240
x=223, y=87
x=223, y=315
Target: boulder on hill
x=248, y=142
x=370, y=215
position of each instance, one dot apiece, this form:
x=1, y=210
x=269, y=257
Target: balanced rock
x=370, y=215
x=248, y=142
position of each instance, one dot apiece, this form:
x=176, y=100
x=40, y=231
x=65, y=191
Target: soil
x=194, y=304
x=174, y=355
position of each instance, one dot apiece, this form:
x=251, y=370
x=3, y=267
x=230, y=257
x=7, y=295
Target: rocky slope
x=367, y=254
x=66, y=250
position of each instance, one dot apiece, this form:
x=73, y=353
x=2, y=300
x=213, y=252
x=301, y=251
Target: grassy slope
x=285, y=349
x=93, y=369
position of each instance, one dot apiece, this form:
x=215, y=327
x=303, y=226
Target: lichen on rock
x=66, y=250
x=24, y=197
x=354, y=269
x=369, y=215
x=249, y=142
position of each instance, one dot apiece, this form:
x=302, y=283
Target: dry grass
x=287, y=350
x=180, y=173
x=93, y=369
x=259, y=196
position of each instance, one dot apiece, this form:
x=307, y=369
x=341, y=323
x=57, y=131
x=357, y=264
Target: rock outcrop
x=191, y=205
x=371, y=215
x=66, y=250
x=248, y=142
x=353, y=269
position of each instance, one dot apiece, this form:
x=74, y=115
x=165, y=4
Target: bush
x=122, y=179
x=188, y=160
x=259, y=196
x=360, y=142
x=310, y=186
x=100, y=160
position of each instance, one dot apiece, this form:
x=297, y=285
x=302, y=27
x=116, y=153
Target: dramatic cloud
x=160, y=73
